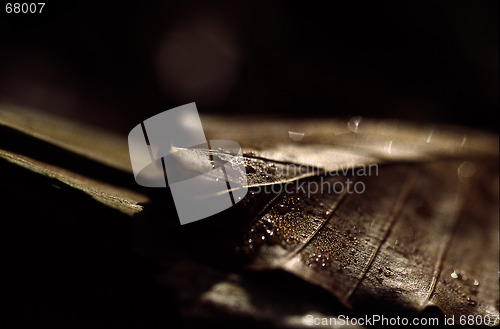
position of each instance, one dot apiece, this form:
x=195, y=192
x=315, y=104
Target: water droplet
x=217, y=179
x=466, y=170
x=430, y=136
x=476, y=283
x=388, y=146
x=353, y=124
x=454, y=275
x=296, y=136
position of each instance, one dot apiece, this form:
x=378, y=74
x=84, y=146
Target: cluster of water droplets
x=262, y=172
x=287, y=223
x=465, y=285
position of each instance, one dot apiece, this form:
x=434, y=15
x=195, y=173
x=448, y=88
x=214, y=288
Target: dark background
x=115, y=64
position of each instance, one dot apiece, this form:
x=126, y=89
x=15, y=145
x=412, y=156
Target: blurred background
x=115, y=64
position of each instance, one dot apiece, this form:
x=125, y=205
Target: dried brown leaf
x=423, y=233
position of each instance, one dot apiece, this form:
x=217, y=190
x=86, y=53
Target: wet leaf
x=93, y=143
x=423, y=231
x=403, y=244
x=117, y=197
x=333, y=144
x=83, y=158
x=429, y=215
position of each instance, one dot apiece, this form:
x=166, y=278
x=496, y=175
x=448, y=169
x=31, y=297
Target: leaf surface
x=424, y=231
